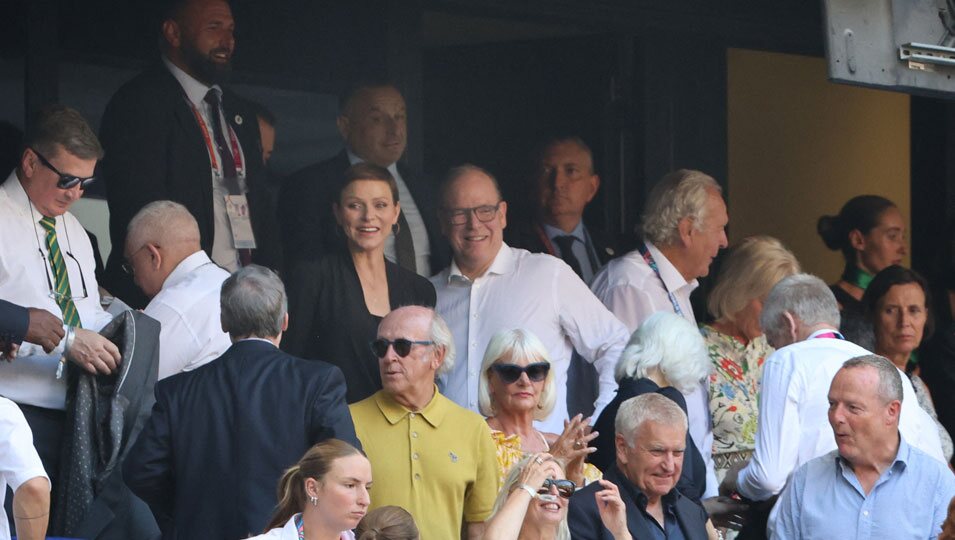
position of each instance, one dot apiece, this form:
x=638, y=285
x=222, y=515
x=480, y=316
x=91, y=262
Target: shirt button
x=417, y=476
x=414, y=434
x=411, y=415
x=414, y=456
x=865, y=512
x=471, y=373
x=473, y=404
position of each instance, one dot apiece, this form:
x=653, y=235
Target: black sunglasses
x=402, y=346
x=509, y=373
x=565, y=488
x=66, y=181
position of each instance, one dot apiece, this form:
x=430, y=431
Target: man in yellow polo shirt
x=428, y=455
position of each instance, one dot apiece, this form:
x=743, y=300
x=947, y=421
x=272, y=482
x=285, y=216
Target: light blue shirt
x=581, y=248
x=825, y=500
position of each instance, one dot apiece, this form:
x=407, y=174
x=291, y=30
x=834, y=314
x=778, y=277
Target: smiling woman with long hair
x=336, y=302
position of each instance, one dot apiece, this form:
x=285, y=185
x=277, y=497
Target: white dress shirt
x=419, y=233
x=25, y=278
x=19, y=461
x=223, y=247
x=188, y=309
x=793, y=413
x=539, y=293
x=632, y=291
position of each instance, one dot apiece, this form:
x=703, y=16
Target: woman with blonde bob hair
x=323, y=496
x=736, y=345
x=665, y=355
x=516, y=387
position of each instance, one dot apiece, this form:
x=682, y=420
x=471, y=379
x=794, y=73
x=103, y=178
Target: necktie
x=230, y=177
x=404, y=245
x=565, y=244
x=63, y=294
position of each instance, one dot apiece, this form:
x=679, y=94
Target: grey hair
x=164, y=222
x=890, y=381
x=60, y=125
x=510, y=484
x=805, y=297
x=670, y=343
x=679, y=194
x=651, y=407
x=443, y=338
x=253, y=303
x=516, y=344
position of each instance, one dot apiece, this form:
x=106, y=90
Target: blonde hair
x=510, y=484
x=516, y=344
x=750, y=271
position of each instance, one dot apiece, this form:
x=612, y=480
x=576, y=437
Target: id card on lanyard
x=648, y=257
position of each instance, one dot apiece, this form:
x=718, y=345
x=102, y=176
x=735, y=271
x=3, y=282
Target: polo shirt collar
x=434, y=412
x=503, y=263
x=578, y=232
x=671, y=277
x=195, y=90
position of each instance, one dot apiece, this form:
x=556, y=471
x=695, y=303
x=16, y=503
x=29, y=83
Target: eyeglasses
x=128, y=263
x=565, y=488
x=66, y=181
x=49, y=282
x=459, y=216
x=509, y=373
x=402, y=346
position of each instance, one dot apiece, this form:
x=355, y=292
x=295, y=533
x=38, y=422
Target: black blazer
x=155, y=150
x=14, y=322
x=692, y=481
x=305, y=211
x=583, y=517
x=210, y=457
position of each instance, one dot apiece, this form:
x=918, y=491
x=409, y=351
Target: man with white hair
x=650, y=441
x=429, y=456
x=166, y=260
x=875, y=485
x=801, y=319
x=684, y=227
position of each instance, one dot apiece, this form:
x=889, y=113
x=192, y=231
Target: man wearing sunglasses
x=491, y=286
x=428, y=455
x=650, y=441
x=46, y=263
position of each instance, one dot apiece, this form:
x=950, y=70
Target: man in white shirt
x=21, y=469
x=684, y=227
x=168, y=264
x=491, y=287
x=46, y=262
x=801, y=319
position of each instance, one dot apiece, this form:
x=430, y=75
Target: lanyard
x=300, y=526
x=648, y=257
x=233, y=143
x=858, y=277
x=831, y=335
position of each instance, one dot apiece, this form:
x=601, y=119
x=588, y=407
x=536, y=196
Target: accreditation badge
x=237, y=208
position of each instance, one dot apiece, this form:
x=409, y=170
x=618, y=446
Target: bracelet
x=530, y=491
x=68, y=340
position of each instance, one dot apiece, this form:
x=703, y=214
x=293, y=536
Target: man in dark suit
x=34, y=325
x=372, y=123
x=220, y=436
x=174, y=133
x=650, y=441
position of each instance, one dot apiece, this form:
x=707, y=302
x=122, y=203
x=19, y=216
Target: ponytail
x=291, y=496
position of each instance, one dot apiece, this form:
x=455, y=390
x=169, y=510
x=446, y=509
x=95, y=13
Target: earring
x=313, y=499
x=396, y=229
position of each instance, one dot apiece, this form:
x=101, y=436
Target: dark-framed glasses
x=484, y=213
x=49, y=282
x=565, y=488
x=402, y=346
x=509, y=373
x=66, y=181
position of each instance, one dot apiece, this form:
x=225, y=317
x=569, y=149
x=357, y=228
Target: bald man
x=164, y=256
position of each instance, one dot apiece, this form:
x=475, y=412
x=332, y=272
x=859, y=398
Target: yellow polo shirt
x=439, y=463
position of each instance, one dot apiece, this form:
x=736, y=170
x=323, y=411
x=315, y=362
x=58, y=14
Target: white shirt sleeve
x=19, y=460
x=629, y=304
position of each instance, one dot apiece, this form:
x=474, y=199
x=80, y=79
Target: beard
x=204, y=68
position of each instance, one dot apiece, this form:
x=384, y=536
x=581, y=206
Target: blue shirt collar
x=578, y=232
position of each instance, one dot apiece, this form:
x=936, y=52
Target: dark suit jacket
x=155, y=150
x=305, y=211
x=14, y=322
x=692, y=481
x=530, y=235
x=583, y=517
x=210, y=457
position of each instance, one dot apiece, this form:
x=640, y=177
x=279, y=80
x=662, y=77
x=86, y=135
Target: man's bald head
x=159, y=237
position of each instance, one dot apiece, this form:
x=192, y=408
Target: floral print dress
x=734, y=394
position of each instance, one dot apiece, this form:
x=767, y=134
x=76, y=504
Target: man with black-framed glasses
x=46, y=262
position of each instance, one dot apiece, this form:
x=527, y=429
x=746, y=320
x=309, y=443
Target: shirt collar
x=503, y=264
x=902, y=457
x=353, y=159
x=824, y=331
x=578, y=232
x=671, y=277
x=394, y=412
x=185, y=267
x=18, y=196
x=195, y=90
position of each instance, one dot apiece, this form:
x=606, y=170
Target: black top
x=329, y=320
x=692, y=482
x=854, y=326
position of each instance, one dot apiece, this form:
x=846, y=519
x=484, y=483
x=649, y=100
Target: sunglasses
x=565, y=488
x=66, y=181
x=509, y=373
x=402, y=346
